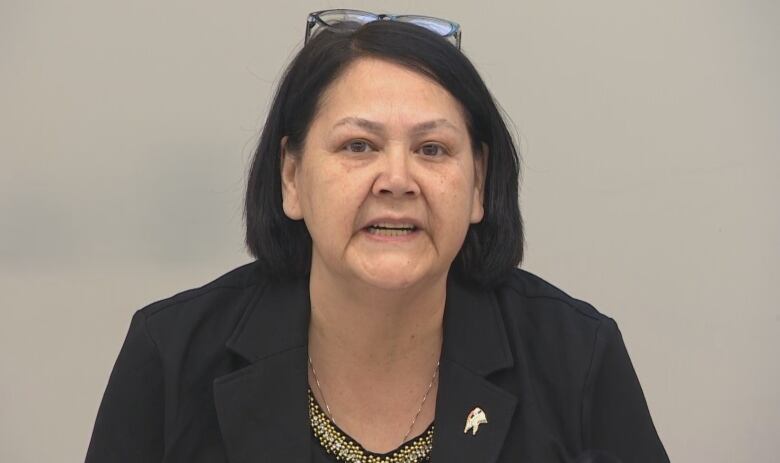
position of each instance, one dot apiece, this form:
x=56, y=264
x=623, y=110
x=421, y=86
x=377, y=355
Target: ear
x=289, y=172
x=480, y=172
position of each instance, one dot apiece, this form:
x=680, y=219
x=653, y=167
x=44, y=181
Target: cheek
x=450, y=199
x=450, y=224
x=331, y=204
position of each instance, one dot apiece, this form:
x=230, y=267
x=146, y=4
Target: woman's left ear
x=480, y=172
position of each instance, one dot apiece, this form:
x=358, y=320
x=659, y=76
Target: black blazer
x=219, y=374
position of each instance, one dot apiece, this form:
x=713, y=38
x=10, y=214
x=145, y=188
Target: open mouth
x=391, y=230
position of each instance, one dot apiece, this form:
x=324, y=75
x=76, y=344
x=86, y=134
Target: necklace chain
x=416, y=415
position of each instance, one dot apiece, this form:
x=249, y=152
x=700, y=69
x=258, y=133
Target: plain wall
x=649, y=136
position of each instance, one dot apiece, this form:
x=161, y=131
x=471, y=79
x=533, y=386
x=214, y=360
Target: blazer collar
x=263, y=410
x=276, y=320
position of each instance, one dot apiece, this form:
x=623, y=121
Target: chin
x=390, y=279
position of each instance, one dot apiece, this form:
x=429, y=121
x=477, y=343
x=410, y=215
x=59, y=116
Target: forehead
x=380, y=89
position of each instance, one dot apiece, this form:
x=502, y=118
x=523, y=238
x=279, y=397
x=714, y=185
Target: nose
x=395, y=176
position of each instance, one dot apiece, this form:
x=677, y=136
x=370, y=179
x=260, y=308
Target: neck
x=374, y=331
x=375, y=352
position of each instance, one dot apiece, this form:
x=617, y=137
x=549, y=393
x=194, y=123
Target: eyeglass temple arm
x=309, y=25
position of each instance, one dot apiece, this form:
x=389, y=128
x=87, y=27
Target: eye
x=357, y=146
x=432, y=149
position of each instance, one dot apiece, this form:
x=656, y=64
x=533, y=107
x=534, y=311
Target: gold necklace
x=416, y=415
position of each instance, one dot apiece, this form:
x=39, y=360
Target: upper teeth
x=393, y=226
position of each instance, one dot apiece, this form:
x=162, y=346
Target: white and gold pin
x=475, y=418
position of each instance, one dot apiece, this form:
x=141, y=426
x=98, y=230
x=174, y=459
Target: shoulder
x=229, y=285
x=210, y=310
x=533, y=294
x=544, y=321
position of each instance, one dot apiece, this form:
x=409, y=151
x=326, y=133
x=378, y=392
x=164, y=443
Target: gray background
x=649, y=132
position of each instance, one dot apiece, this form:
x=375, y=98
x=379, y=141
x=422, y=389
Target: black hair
x=283, y=247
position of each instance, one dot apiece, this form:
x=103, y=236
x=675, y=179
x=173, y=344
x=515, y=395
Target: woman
x=384, y=318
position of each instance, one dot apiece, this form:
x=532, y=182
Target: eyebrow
x=379, y=128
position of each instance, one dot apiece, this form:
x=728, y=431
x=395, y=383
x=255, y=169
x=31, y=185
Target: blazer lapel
x=263, y=408
x=475, y=345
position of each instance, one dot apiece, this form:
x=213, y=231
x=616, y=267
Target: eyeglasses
x=352, y=19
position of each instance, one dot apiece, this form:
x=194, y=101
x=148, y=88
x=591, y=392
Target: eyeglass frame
x=314, y=19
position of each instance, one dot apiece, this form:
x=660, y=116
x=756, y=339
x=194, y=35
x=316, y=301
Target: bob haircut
x=283, y=247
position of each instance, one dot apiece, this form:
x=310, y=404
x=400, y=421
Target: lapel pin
x=475, y=418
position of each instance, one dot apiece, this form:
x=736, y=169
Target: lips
x=392, y=226
x=393, y=223
x=391, y=234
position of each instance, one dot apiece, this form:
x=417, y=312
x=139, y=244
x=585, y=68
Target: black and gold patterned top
x=337, y=446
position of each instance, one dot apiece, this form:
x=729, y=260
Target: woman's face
x=388, y=150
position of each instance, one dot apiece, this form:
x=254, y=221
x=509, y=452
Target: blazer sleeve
x=616, y=419
x=129, y=424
